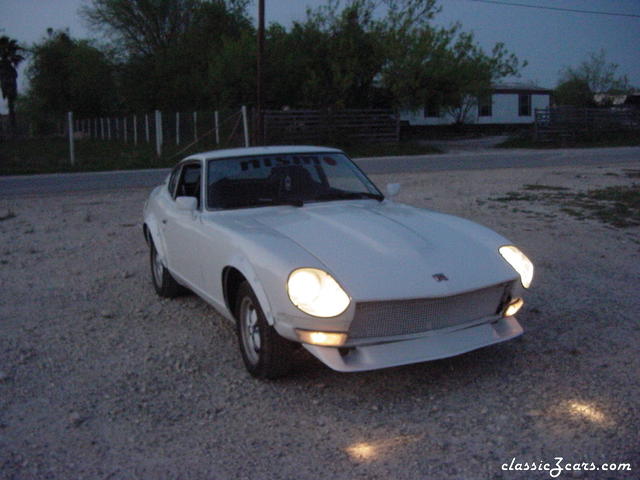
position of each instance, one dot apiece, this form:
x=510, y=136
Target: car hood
x=392, y=251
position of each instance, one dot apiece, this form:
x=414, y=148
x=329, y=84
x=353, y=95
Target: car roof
x=272, y=150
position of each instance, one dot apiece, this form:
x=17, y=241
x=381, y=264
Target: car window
x=276, y=179
x=189, y=183
x=173, y=180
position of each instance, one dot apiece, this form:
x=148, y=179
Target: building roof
x=517, y=87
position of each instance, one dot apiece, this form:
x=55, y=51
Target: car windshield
x=289, y=179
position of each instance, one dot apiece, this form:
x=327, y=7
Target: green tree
x=10, y=58
x=357, y=57
x=166, y=47
x=574, y=92
x=444, y=66
x=67, y=74
x=144, y=27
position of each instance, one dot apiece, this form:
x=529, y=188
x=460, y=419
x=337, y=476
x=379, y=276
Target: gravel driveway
x=101, y=379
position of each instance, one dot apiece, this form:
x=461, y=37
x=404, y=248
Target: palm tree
x=10, y=58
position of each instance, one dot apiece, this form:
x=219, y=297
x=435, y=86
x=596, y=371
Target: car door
x=182, y=228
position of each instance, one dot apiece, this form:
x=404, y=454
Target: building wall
x=505, y=111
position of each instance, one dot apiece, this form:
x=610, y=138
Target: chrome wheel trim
x=250, y=330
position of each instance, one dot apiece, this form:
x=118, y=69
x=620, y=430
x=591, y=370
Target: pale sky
x=548, y=39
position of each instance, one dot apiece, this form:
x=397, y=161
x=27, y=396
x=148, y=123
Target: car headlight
x=315, y=292
x=519, y=262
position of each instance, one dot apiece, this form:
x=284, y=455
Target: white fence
x=160, y=128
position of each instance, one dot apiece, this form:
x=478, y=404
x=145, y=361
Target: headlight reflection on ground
x=371, y=451
x=587, y=411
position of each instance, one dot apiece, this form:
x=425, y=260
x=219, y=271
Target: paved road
x=489, y=159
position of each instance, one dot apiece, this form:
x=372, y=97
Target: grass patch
x=618, y=206
x=516, y=197
x=389, y=149
x=621, y=139
x=544, y=188
x=51, y=155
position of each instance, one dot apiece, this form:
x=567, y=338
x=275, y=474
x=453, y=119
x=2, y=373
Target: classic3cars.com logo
x=561, y=465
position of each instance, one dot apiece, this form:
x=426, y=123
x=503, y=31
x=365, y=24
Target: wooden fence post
x=72, y=152
x=245, y=125
x=216, y=124
x=177, y=128
x=158, y=115
x=135, y=130
x=195, y=126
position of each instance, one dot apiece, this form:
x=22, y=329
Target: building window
x=432, y=108
x=485, y=106
x=524, y=105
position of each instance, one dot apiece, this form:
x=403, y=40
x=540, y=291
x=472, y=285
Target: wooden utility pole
x=259, y=82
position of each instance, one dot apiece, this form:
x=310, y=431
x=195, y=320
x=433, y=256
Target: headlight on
x=519, y=262
x=316, y=292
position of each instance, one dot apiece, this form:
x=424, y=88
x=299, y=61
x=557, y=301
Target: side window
x=189, y=184
x=173, y=180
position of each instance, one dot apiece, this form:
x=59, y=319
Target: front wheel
x=265, y=353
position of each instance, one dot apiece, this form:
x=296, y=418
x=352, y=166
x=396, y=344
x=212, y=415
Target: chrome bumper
x=432, y=347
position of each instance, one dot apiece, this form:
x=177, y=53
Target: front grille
x=406, y=317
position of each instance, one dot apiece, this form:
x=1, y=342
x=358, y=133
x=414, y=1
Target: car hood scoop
x=386, y=250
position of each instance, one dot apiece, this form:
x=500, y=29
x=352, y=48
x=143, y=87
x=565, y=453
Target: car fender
x=153, y=229
x=243, y=265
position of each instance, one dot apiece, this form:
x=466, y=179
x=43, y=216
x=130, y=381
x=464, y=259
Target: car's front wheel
x=163, y=283
x=265, y=353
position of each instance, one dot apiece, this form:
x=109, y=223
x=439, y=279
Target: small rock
x=75, y=419
x=4, y=376
x=106, y=314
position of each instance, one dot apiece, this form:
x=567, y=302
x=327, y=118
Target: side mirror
x=392, y=190
x=187, y=204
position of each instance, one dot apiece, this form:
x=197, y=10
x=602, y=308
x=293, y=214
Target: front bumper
x=439, y=345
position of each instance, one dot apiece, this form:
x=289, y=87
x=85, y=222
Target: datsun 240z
x=296, y=246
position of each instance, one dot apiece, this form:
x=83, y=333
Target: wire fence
x=134, y=138
x=206, y=129
x=167, y=134
x=571, y=123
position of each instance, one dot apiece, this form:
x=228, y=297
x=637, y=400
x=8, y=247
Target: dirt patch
x=99, y=378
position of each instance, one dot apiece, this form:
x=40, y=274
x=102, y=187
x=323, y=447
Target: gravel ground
x=101, y=379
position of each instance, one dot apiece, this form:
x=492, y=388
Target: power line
x=559, y=9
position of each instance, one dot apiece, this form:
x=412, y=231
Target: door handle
x=164, y=221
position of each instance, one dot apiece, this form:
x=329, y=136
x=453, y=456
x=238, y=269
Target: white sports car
x=296, y=246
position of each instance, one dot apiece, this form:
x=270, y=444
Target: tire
x=265, y=353
x=163, y=283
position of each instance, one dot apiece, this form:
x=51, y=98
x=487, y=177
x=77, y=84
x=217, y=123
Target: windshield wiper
x=294, y=202
x=348, y=196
